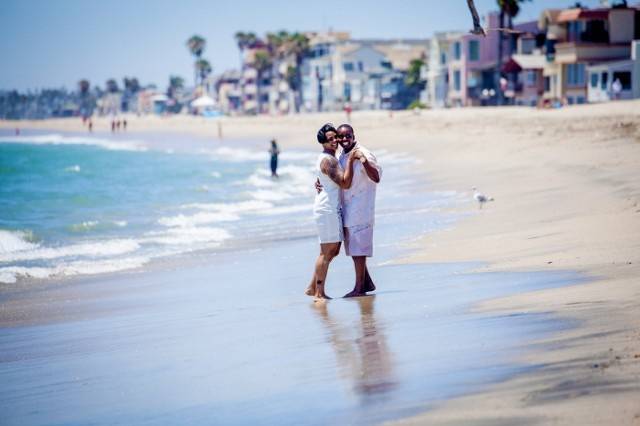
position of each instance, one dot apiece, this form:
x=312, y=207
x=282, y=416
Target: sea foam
x=15, y=241
x=58, y=139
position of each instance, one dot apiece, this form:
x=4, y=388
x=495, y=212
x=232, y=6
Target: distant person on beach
x=616, y=88
x=358, y=208
x=326, y=208
x=90, y=126
x=347, y=111
x=124, y=124
x=274, y=152
x=113, y=126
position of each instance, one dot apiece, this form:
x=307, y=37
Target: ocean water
x=75, y=205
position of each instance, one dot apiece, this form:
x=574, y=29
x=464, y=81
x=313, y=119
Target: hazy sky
x=54, y=43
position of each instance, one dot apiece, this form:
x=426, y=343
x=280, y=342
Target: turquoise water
x=75, y=205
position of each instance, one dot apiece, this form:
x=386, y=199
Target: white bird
x=480, y=197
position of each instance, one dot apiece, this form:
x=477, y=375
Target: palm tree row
x=201, y=67
x=278, y=47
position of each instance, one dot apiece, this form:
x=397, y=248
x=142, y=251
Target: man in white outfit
x=358, y=208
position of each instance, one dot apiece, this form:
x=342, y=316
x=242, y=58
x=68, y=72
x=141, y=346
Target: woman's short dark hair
x=322, y=133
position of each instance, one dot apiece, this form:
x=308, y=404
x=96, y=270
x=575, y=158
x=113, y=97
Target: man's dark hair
x=348, y=126
x=322, y=133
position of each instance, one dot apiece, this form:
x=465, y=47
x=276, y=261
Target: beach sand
x=567, y=198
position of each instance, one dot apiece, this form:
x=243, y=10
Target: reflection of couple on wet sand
x=344, y=207
x=363, y=357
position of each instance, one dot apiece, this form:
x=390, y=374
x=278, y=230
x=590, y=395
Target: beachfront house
x=364, y=74
x=602, y=78
x=524, y=71
x=579, y=38
x=473, y=64
x=229, y=92
x=435, y=94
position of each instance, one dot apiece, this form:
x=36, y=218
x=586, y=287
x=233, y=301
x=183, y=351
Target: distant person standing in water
x=274, y=151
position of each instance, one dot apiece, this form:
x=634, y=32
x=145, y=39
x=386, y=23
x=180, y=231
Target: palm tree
x=83, y=87
x=203, y=69
x=296, y=45
x=112, y=86
x=196, y=45
x=176, y=83
x=244, y=40
x=262, y=61
x=508, y=9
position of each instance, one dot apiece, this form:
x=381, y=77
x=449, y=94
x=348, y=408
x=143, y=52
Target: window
x=386, y=64
x=456, y=80
x=456, y=50
x=604, y=80
x=474, y=50
x=579, y=100
x=360, y=66
x=443, y=58
x=575, y=74
x=347, y=91
x=594, y=80
x=532, y=78
x=348, y=66
x=547, y=84
x=570, y=100
x=624, y=77
x=574, y=30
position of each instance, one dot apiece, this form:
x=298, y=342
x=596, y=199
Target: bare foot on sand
x=319, y=293
x=321, y=298
x=311, y=290
x=369, y=286
x=355, y=293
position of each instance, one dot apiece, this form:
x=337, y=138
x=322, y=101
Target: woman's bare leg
x=327, y=252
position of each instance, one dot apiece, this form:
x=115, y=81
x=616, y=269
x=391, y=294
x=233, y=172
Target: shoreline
x=567, y=198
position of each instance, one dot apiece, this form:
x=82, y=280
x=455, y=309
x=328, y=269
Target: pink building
x=474, y=59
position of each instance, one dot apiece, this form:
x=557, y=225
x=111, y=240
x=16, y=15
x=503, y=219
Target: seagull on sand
x=480, y=197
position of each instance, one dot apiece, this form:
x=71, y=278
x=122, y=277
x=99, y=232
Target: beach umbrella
x=160, y=98
x=202, y=102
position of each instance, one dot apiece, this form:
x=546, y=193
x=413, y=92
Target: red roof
x=578, y=14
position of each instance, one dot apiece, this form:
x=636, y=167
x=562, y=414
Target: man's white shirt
x=359, y=201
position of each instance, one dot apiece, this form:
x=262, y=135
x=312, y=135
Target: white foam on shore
x=239, y=207
x=188, y=236
x=184, y=221
x=87, y=249
x=85, y=226
x=58, y=139
x=75, y=169
x=15, y=241
x=238, y=154
x=11, y=274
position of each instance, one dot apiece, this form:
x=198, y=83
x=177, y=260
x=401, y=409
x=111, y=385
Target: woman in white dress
x=326, y=207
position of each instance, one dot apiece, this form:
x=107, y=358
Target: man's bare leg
x=360, y=264
x=368, y=282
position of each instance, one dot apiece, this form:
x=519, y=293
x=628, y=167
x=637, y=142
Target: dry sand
x=567, y=196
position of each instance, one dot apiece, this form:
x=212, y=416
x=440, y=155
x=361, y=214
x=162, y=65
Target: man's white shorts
x=329, y=227
x=358, y=240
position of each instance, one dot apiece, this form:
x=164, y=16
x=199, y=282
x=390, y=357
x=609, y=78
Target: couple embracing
x=344, y=207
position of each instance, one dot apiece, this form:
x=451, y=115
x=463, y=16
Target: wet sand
x=567, y=199
x=236, y=342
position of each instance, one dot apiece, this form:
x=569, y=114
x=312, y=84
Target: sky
x=55, y=43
